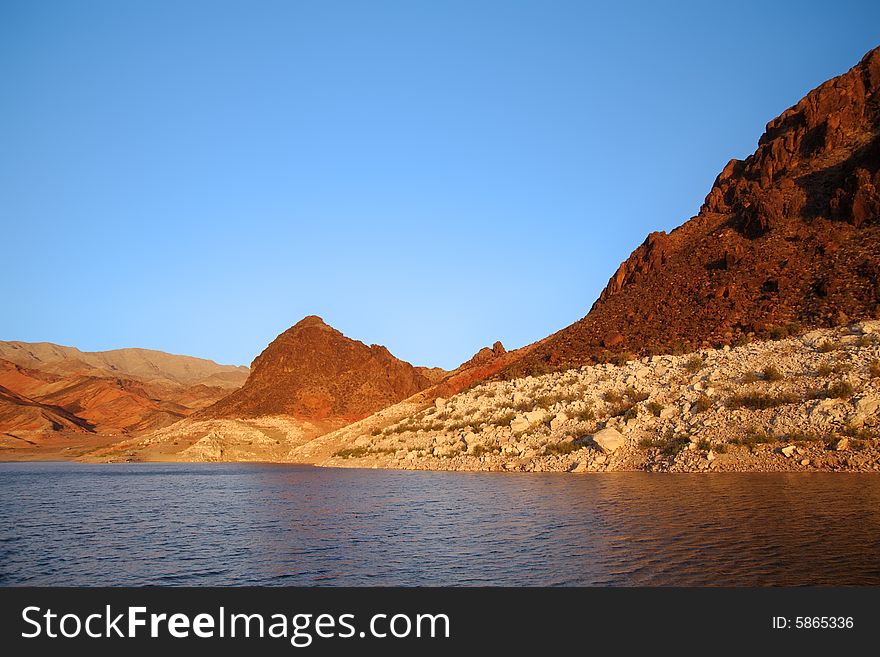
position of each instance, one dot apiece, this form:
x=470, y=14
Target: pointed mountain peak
x=313, y=371
x=311, y=321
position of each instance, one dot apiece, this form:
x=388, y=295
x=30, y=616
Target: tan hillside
x=51, y=389
x=142, y=364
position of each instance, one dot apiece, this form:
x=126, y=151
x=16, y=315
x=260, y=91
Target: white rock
x=667, y=412
x=609, y=440
x=789, y=451
x=533, y=417
x=519, y=423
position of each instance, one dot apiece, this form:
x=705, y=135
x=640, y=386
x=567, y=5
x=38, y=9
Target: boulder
x=867, y=406
x=609, y=440
x=643, y=373
x=519, y=423
x=533, y=417
x=789, y=451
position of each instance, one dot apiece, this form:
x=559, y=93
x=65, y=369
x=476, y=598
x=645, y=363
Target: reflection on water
x=75, y=524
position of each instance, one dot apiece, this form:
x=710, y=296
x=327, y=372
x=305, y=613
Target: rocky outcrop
x=787, y=239
x=260, y=439
x=820, y=158
x=313, y=372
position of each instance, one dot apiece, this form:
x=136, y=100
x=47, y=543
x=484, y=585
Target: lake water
x=232, y=524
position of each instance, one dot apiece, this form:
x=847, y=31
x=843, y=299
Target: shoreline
x=586, y=460
x=591, y=461
x=485, y=469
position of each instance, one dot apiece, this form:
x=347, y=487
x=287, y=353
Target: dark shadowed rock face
x=312, y=371
x=789, y=236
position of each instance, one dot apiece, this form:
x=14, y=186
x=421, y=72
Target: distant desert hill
x=141, y=364
x=50, y=388
x=21, y=414
x=314, y=372
x=788, y=238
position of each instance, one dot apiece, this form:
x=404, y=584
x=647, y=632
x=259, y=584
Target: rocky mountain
x=51, y=388
x=313, y=372
x=787, y=239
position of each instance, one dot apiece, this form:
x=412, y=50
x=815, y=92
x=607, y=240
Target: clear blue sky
x=433, y=176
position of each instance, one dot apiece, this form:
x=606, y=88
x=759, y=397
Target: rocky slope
x=788, y=237
x=313, y=372
x=800, y=403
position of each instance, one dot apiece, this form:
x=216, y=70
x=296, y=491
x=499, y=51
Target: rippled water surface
x=76, y=524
